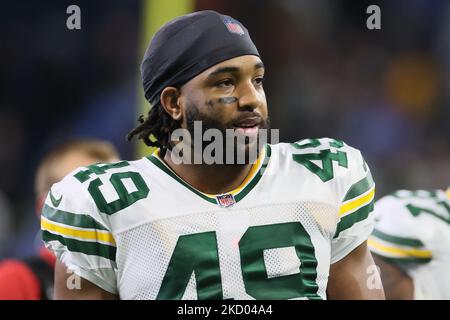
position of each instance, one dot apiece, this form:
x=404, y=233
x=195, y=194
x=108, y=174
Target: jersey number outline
x=327, y=157
x=126, y=198
x=198, y=253
x=415, y=210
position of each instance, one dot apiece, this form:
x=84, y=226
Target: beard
x=237, y=151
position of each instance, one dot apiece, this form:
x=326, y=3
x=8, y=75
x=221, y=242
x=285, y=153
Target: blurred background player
x=411, y=244
x=32, y=278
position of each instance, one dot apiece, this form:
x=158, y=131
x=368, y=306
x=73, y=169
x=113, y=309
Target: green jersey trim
x=248, y=184
x=88, y=248
x=397, y=240
x=71, y=219
x=360, y=187
x=348, y=221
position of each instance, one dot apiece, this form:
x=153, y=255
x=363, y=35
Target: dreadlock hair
x=159, y=124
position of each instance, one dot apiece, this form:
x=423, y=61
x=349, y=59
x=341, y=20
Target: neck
x=211, y=179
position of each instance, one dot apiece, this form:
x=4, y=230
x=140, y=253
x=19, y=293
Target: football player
x=292, y=224
x=411, y=244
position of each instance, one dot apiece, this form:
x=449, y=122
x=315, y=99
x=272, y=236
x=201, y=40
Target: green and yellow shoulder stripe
x=398, y=249
x=78, y=232
x=357, y=204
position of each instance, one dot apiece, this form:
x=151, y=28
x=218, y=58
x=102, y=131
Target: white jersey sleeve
x=397, y=235
x=355, y=189
x=412, y=232
x=77, y=233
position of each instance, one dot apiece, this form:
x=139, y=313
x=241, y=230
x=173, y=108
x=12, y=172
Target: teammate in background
x=32, y=278
x=291, y=225
x=411, y=244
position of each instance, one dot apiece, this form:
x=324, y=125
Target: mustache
x=255, y=116
x=193, y=114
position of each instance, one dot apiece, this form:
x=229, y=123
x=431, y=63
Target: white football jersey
x=138, y=230
x=412, y=230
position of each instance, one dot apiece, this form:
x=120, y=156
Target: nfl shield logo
x=233, y=26
x=225, y=200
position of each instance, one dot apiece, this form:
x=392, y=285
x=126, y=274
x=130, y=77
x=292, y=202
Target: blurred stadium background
x=386, y=92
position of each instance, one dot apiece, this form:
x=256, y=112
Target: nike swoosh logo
x=55, y=201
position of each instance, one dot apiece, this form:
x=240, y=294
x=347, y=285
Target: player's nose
x=250, y=98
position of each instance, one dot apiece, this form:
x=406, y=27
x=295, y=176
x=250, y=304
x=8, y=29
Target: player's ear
x=169, y=101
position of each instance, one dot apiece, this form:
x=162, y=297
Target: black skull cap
x=187, y=45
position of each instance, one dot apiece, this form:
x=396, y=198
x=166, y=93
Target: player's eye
x=259, y=80
x=225, y=83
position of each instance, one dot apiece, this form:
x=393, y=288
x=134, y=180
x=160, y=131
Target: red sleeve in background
x=48, y=257
x=17, y=282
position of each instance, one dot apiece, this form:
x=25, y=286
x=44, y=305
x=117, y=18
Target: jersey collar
x=228, y=198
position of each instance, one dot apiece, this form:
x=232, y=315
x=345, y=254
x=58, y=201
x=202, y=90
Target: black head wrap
x=188, y=45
